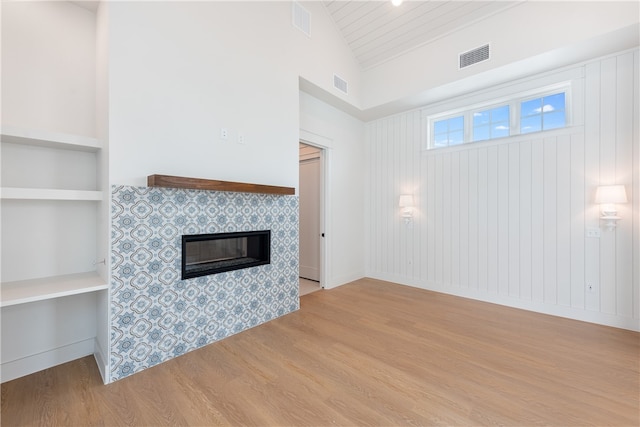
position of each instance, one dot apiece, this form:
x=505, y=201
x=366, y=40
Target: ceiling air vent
x=340, y=84
x=301, y=18
x=473, y=56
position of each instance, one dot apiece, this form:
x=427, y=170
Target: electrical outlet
x=224, y=133
x=241, y=139
x=593, y=232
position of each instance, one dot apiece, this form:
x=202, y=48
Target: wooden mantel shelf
x=211, y=184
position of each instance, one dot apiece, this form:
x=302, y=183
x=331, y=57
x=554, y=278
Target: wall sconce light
x=406, y=203
x=608, y=196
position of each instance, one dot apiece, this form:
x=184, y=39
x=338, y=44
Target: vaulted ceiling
x=377, y=31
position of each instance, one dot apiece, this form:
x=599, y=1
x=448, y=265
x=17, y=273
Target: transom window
x=543, y=113
x=490, y=124
x=448, y=132
x=522, y=114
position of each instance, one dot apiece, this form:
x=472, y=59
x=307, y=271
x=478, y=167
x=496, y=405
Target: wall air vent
x=301, y=18
x=340, y=84
x=473, y=56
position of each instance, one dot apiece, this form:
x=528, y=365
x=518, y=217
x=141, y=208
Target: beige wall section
x=310, y=211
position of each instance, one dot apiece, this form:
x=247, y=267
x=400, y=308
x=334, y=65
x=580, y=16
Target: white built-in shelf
x=11, y=193
x=48, y=139
x=26, y=291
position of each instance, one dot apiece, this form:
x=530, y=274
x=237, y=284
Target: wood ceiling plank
x=416, y=35
x=377, y=31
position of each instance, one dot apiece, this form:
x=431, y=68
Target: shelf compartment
x=26, y=291
x=8, y=193
x=40, y=138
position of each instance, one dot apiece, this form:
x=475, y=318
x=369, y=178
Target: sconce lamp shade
x=611, y=194
x=406, y=201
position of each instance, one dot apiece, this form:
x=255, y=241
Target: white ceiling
x=377, y=31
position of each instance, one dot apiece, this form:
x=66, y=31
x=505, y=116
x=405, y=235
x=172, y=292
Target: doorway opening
x=311, y=209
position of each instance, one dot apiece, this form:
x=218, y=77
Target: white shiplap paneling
x=505, y=222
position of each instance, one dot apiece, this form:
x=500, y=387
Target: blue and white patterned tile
x=157, y=316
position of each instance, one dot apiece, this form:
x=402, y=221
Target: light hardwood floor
x=307, y=286
x=366, y=353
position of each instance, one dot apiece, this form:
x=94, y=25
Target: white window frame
x=513, y=101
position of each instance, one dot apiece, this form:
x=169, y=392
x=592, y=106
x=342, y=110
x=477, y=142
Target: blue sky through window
x=518, y=115
x=492, y=123
x=543, y=113
x=448, y=131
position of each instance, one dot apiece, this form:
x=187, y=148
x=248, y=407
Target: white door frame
x=323, y=144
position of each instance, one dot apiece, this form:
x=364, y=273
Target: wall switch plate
x=593, y=232
x=224, y=133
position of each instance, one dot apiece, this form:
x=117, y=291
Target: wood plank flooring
x=366, y=353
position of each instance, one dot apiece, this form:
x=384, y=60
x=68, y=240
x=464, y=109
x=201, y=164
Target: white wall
x=342, y=137
x=529, y=37
x=505, y=221
x=178, y=72
x=181, y=71
x=48, y=67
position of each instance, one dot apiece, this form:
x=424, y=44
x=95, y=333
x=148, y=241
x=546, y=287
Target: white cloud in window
x=545, y=109
x=502, y=127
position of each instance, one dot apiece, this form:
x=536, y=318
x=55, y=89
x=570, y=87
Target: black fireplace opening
x=204, y=254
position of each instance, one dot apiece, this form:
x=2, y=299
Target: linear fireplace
x=204, y=254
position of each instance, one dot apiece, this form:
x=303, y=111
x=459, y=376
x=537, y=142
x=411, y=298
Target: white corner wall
x=342, y=138
x=181, y=71
x=505, y=221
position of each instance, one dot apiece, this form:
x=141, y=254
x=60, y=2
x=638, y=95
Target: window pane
x=500, y=114
x=500, y=130
x=553, y=102
x=481, y=133
x=530, y=108
x=448, y=131
x=440, y=126
x=480, y=118
x=456, y=123
x=440, y=141
x=530, y=124
x=553, y=120
x=456, y=138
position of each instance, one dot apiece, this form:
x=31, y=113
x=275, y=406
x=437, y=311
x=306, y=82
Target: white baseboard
x=334, y=282
x=37, y=362
x=101, y=361
x=574, y=313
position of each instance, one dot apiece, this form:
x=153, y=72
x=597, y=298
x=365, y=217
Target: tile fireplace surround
x=156, y=316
